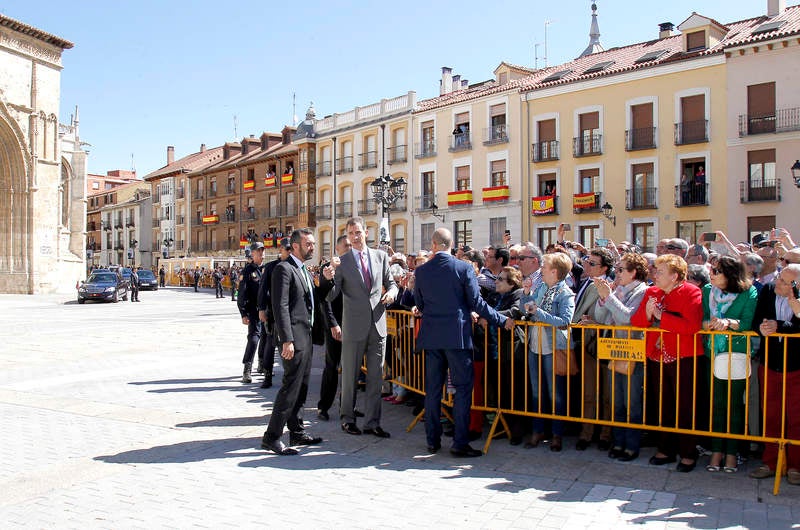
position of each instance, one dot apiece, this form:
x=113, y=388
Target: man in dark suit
x=332, y=313
x=447, y=297
x=362, y=277
x=265, y=314
x=247, y=303
x=292, y=297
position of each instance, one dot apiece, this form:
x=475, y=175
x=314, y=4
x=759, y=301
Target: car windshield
x=106, y=277
x=146, y=275
x=126, y=273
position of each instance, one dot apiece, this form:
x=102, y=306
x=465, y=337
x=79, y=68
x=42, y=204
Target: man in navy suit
x=447, y=297
x=292, y=298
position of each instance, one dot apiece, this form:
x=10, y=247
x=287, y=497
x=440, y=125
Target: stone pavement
x=133, y=416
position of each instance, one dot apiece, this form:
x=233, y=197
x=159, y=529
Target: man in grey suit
x=362, y=277
x=292, y=298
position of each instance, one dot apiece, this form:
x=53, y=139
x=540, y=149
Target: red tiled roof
x=790, y=16
x=188, y=163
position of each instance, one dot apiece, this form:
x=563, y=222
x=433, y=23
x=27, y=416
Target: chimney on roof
x=665, y=30
x=775, y=7
x=170, y=154
x=464, y=83
x=456, y=82
x=202, y=148
x=446, y=84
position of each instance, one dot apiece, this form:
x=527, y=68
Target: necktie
x=365, y=271
x=310, y=289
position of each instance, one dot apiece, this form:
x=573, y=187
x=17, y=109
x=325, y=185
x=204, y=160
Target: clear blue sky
x=147, y=74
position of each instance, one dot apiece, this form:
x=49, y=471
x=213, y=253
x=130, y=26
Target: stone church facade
x=42, y=185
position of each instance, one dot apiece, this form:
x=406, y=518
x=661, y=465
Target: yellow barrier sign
x=621, y=349
x=391, y=325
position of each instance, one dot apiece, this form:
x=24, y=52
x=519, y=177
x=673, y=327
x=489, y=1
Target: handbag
x=564, y=362
x=738, y=362
x=622, y=367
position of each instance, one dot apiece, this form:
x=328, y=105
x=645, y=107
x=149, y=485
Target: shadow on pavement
x=227, y=422
x=188, y=381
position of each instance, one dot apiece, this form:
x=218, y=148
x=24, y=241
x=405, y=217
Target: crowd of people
x=468, y=300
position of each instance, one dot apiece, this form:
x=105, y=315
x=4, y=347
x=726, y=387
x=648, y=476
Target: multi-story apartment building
x=351, y=150
x=170, y=219
x=468, y=159
x=763, y=130
x=119, y=226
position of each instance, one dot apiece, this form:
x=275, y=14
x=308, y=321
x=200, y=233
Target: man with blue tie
x=447, y=297
x=362, y=277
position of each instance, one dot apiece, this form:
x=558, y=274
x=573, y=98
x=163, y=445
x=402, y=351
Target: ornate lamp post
x=796, y=173
x=387, y=191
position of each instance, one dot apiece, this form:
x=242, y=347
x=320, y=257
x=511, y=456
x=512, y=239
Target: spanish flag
x=269, y=242
x=455, y=198
x=584, y=200
x=269, y=181
x=249, y=185
x=542, y=205
x=242, y=243
x=210, y=219
x=496, y=193
x=287, y=178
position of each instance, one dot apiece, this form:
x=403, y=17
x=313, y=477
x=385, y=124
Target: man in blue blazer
x=447, y=297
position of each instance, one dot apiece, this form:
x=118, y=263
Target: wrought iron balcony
x=249, y=215
x=397, y=154
x=496, y=134
x=398, y=206
x=759, y=191
x=289, y=210
x=324, y=169
x=691, y=132
x=344, y=164
x=367, y=207
x=368, y=160
x=198, y=194
x=641, y=198
x=324, y=211
x=344, y=209
x=783, y=120
x=425, y=149
x=691, y=195
x=581, y=205
x=638, y=139
x=130, y=222
x=589, y=145
x=460, y=142
x=425, y=202
x=545, y=151
x=212, y=192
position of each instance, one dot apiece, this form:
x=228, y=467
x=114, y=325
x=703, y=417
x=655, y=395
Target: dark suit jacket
x=264, y=287
x=446, y=292
x=291, y=305
x=765, y=308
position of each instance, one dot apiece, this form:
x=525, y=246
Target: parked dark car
x=147, y=280
x=103, y=285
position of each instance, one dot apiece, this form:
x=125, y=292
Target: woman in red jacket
x=675, y=307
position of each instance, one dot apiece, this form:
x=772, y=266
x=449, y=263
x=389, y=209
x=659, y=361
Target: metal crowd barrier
x=505, y=382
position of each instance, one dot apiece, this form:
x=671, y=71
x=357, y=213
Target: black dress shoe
x=267, y=383
x=351, y=428
x=582, y=445
x=616, y=452
x=303, y=438
x=433, y=449
x=277, y=447
x=377, y=431
x=660, y=461
x=357, y=413
x=603, y=445
x=465, y=452
x=323, y=415
x=686, y=468
x=627, y=456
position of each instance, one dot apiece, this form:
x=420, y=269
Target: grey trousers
x=353, y=352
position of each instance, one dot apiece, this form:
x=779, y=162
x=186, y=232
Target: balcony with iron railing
x=198, y=194
x=581, y=205
x=396, y=154
x=344, y=209
x=368, y=160
x=425, y=149
x=638, y=139
x=324, y=212
x=496, y=134
x=91, y=226
x=460, y=142
x=344, y=164
x=130, y=222
x=691, y=132
x=588, y=145
x=760, y=190
x=641, y=198
x=230, y=189
x=691, y=194
x=118, y=224
x=399, y=205
x=425, y=202
x=212, y=192
x=250, y=214
x=324, y=169
x=367, y=207
x=229, y=217
x=545, y=151
x=106, y=226
x=782, y=120
x=289, y=210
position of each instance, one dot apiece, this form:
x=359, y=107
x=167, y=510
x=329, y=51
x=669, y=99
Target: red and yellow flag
x=269, y=181
x=287, y=178
x=584, y=200
x=496, y=193
x=455, y=198
x=210, y=219
x=542, y=205
x=249, y=185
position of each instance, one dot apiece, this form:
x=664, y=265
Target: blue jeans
x=545, y=385
x=436, y=364
x=624, y=437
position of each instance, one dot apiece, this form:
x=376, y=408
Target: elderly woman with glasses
x=616, y=303
x=674, y=307
x=729, y=302
x=552, y=304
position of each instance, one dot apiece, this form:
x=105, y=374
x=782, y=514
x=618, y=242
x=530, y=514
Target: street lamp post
x=387, y=191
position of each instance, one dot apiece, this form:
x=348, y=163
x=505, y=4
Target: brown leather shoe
x=555, y=444
x=536, y=439
x=793, y=477
x=762, y=471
